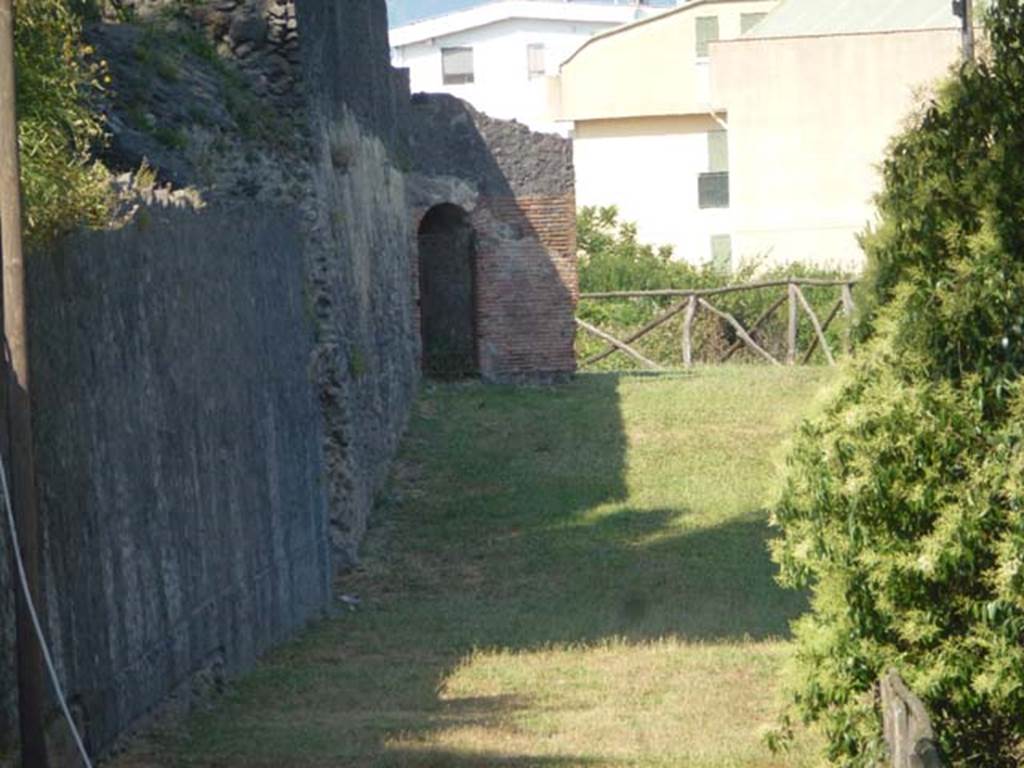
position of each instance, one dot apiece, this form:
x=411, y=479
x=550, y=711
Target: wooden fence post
x=791, y=331
x=691, y=311
x=908, y=729
x=819, y=331
x=848, y=309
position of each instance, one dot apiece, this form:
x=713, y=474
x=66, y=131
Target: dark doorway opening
x=447, y=246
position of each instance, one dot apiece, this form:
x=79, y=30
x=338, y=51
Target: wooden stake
x=824, y=327
x=655, y=323
x=848, y=310
x=617, y=343
x=691, y=312
x=817, y=326
x=738, y=345
x=740, y=331
x=19, y=414
x=793, y=326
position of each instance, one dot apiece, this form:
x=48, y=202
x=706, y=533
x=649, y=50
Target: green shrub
x=612, y=259
x=901, y=505
x=63, y=186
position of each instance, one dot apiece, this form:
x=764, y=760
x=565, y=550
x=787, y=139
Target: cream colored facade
x=645, y=132
x=809, y=129
x=650, y=67
x=648, y=167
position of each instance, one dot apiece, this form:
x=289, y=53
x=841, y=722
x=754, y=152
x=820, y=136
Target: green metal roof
x=812, y=18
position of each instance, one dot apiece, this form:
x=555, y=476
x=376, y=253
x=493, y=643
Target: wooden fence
x=693, y=301
x=908, y=729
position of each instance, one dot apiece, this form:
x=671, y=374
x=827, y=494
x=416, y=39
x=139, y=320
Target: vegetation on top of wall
x=63, y=185
x=901, y=508
x=611, y=258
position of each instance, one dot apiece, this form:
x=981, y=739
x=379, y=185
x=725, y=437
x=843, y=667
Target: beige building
x=646, y=136
x=834, y=82
x=751, y=129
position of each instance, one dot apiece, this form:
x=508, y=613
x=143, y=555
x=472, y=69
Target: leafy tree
x=901, y=505
x=63, y=185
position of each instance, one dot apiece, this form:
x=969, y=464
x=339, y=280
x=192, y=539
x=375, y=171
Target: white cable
x=35, y=618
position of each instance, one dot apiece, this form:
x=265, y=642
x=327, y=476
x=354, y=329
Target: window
x=721, y=253
x=750, y=20
x=713, y=190
x=707, y=32
x=718, y=152
x=457, y=65
x=535, y=65
x=713, y=186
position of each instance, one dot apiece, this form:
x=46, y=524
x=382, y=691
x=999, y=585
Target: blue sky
x=403, y=11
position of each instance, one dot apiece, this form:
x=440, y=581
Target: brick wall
x=517, y=187
x=526, y=286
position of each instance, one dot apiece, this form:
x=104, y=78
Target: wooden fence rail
x=696, y=300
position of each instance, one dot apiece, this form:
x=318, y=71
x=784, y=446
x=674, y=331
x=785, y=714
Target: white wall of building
x=649, y=168
x=640, y=101
x=501, y=84
x=809, y=122
x=500, y=32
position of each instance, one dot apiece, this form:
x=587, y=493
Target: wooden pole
x=740, y=331
x=738, y=345
x=793, y=325
x=617, y=343
x=684, y=292
x=824, y=327
x=655, y=323
x=817, y=326
x=691, y=312
x=848, y=310
x=19, y=414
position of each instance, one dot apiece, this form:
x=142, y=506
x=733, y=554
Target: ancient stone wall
x=223, y=387
x=179, y=460
x=360, y=242
x=518, y=189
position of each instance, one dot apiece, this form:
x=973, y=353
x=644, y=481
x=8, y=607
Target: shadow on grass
x=438, y=758
x=510, y=527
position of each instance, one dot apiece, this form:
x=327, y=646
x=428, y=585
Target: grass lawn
x=565, y=576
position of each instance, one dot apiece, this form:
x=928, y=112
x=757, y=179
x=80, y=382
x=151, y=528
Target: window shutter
x=718, y=152
x=457, y=65
x=721, y=253
x=535, y=64
x=707, y=32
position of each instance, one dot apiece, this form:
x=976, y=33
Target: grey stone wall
x=221, y=390
x=179, y=462
x=448, y=138
x=360, y=242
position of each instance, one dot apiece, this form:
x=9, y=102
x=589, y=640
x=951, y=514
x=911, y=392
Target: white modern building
x=752, y=130
x=501, y=56
x=647, y=137
x=835, y=81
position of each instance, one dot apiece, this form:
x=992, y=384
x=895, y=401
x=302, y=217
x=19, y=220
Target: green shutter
x=721, y=253
x=718, y=152
x=707, y=32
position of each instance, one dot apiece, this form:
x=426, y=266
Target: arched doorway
x=447, y=246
